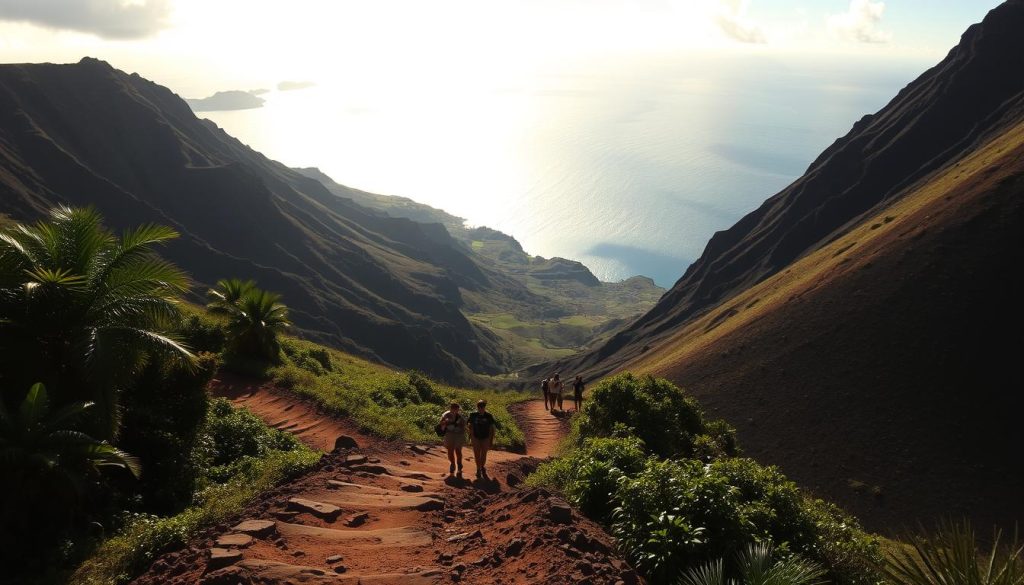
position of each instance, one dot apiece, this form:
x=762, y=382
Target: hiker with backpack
x=453, y=429
x=482, y=428
x=577, y=393
x=545, y=387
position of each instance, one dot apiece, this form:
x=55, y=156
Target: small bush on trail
x=655, y=410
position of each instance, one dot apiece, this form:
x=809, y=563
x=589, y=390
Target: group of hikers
x=480, y=425
x=552, y=389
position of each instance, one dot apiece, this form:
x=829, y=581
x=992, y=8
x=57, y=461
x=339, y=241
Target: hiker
x=577, y=392
x=454, y=425
x=481, y=428
x=555, y=388
x=545, y=387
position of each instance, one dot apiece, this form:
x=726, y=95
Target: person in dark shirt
x=481, y=432
x=577, y=392
x=545, y=388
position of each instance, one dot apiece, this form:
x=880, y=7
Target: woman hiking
x=555, y=388
x=482, y=427
x=454, y=426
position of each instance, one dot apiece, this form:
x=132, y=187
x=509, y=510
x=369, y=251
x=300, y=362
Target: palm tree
x=38, y=440
x=755, y=566
x=83, y=310
x=255, y=317
x=50, y=471
x=226, y=296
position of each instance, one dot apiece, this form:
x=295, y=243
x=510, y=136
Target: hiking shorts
x=452, y=440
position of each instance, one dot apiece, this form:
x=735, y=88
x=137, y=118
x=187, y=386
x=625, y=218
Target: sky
x=198, y=47
x=573, y=125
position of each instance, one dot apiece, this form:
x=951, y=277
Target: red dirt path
x=389, y=513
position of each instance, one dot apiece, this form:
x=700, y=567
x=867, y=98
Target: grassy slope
x=840, y=368
x=394, y=405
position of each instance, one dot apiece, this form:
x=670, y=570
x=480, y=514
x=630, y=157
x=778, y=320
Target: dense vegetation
x=667, y=483
x=105, y=422
x=116, y=453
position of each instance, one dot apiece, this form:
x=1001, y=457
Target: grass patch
x=390, y=404
x=232, y=484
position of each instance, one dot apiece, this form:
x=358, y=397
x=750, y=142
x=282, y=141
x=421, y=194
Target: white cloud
x=731, y=18
x=110, y=19
x=860, y=23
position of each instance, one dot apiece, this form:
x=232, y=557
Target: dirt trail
x=389, y=513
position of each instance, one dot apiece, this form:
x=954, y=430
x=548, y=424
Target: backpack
x=439, y=429
x=544, y=385
x=481, y=424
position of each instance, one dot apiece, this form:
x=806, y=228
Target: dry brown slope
x=890, y=357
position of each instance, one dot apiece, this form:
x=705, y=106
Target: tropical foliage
x=50, y=469
x=39, y=440
x=255, y=317
x=952, y=555
x=757, y=565
x=702, y=505
x=83, y=310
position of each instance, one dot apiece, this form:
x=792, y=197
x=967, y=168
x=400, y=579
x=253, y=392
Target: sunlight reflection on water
x=629, y=168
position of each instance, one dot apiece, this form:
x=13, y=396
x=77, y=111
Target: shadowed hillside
x=974, y=93
x=540, y=308
x=858, y=328
x=388, y=288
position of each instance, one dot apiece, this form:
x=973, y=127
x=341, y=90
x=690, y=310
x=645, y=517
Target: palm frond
x=35, y=406
x=950, y=555
x=712, y=573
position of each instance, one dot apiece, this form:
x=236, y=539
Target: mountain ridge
x=909, y=132
x=854, y=328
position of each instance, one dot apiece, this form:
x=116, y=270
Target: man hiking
x=545, y=387
x=577, y=392
x=481, y=428
x=454, y=426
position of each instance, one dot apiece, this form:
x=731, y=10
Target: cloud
x=227, y=100
x=731, y=17
x=110, y=19
x=860, y=23
x=293, y=85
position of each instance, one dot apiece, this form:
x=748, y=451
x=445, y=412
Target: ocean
x=627, y=165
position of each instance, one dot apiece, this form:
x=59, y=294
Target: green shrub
x=655, y=410
x=672, y=514
x=590, y=476
x=237, y=433
x=736, y=502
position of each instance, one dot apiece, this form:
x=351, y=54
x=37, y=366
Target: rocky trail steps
x=382, y=513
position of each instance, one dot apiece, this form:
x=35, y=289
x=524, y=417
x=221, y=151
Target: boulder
x=345, y=442
x=257, y=528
